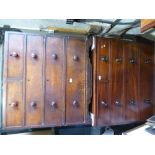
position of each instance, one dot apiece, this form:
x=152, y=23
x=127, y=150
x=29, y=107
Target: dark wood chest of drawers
x=46, y=80
x=122, y=81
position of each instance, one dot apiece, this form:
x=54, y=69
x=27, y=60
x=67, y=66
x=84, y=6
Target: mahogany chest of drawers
x=46, y=80
x=122, y=81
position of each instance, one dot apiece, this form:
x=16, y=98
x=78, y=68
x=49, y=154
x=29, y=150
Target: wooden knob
x=53, y=104
x=75, y=58
x=104, y=58
x=54, y=56
x=14, y=54
x=34, y=56
x=118, y=60
x=147, y=61
x=75, y=103
x=117, y=103
x=14, y=104
x=104, y=103
x=33, y=104
x=147, y=101
x=132, y=102
x=133, y=60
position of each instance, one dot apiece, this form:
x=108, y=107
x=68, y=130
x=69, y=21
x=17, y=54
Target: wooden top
x=146, y=24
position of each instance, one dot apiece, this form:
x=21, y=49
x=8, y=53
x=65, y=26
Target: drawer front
x=146, y=100
x=15, y=55
x=117, y=103
x=131, y=62
x=103, y=58
x=75, y=82
x=54, y=100
x=34, y=80
x=132, y=102
x=131, y=81
x=146, y=63
x=103, y=103
x=13, y=108
x=117, y=60
x=146, y=81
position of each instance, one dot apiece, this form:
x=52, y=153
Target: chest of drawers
x=45, y=81
x=122, y=81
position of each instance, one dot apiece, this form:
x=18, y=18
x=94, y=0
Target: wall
x=1, y=65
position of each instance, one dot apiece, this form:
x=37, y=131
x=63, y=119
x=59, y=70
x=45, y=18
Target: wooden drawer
x=14, y=105
x=13, y=70
x=103, y=103
x=117, y=103
x=146, y=62
x=146, y=80
x=75, y=81
x=14, y=55
x=131, y=81
x=55, y=93
x=103, y=59
x=117, y=66
x=34, y=80
x=146, y=100
x=132, y=102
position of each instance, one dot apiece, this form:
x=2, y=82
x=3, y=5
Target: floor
x=77, y=130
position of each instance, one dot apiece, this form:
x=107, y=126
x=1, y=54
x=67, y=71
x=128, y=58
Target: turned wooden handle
x=75, y=58
x=53, y=104
x=14, y=104
x=14, y=54
x=54, y=56
x=104, y=103
x=132, y=102
x=117, y=103
x=133, y=60
x=33, y=104
x=118, y=59
x=34, y=56
x=75, y=103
